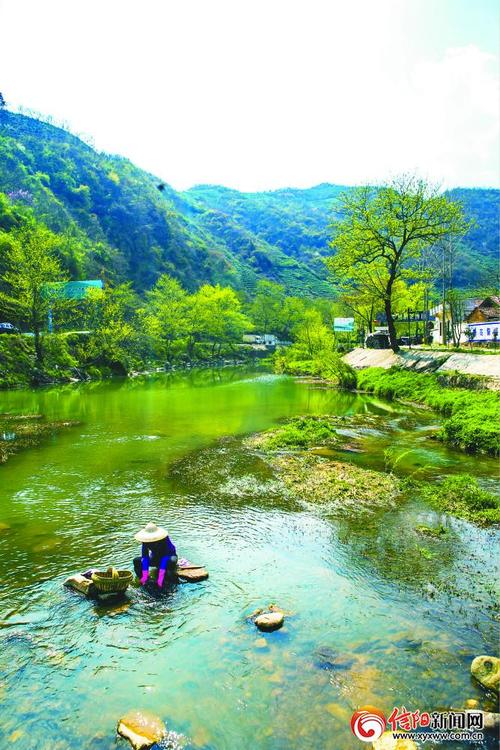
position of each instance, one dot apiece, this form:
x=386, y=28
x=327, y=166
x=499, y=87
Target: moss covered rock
x=486, y=670
x=345, y=488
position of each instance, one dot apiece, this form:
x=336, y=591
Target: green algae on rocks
x=344, y=488
x=312, y=478
x=18, y=431
x=462, y=496
x=298, y=433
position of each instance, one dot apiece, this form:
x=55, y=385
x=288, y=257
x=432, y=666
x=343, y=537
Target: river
x=374, y=619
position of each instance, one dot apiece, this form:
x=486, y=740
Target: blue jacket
x=157, y=554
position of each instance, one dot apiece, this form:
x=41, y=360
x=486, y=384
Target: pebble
x=141, y=728
x=270, y=620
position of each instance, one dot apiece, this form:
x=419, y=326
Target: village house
x=486, y=311
x=473, y=311
x=483, y=322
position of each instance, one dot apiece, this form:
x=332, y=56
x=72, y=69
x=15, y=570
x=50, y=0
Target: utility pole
x=443, y=315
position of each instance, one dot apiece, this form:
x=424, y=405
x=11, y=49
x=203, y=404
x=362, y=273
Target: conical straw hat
x=151, y=533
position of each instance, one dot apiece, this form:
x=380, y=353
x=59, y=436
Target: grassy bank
x=77, y=356
x=472, y=417
x=327, y=365
x=462, y=496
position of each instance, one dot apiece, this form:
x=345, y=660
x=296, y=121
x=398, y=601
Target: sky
x=261, y=94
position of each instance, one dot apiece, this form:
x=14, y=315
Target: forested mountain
x=119, y=222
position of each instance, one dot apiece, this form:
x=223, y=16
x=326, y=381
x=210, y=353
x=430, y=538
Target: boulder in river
x=387, y=742
x=491, y=721
x=486, y=670
x=141, y=728
x=270, y=620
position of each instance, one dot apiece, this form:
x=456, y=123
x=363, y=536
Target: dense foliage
x=472, y=417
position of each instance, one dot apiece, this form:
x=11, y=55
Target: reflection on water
x=374, y=620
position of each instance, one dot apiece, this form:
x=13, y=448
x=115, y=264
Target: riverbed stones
x=4, y=526
x=471, y=703
x=79, y=583
x=387, y=742
x=268, y=621
x=141, y=728
x=486, y=670
x=192, y=574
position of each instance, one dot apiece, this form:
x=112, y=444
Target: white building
x=488, y=331
x=266, y=339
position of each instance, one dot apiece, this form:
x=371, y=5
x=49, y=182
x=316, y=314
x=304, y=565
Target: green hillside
x=121, y=223
x=130, y=225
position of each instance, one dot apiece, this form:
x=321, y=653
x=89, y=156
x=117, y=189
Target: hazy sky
x=258, y=94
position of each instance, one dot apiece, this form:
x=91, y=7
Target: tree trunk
x=38, y=346
x=390, y=325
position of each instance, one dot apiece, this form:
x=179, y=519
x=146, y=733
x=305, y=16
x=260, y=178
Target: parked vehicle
x=8, y=328
x=378, y=340
x=410, y=340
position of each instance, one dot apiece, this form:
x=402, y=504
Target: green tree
x=165, y=316
x=31, y=266
x=291, y=314
x=216, y=317
x=114, y=340
x=385, y=230
x=313, y=336
x=265, y=310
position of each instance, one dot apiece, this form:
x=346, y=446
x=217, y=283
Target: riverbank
x=67, y=360
x=470, y=406
x=485, y=366
x=472, y=417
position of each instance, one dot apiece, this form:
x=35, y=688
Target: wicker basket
x=112, y=580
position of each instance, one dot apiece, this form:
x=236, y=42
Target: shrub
x=325, y=364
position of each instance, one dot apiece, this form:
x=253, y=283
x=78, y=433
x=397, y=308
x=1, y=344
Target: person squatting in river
x=158, y=551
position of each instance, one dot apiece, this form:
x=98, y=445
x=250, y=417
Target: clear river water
x=378, y=614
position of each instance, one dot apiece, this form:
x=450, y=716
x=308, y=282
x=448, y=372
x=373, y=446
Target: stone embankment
x=421, y=360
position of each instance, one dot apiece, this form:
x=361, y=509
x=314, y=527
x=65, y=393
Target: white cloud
x=262, y=93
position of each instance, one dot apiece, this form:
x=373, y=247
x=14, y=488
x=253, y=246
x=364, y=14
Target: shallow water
x=375, y=620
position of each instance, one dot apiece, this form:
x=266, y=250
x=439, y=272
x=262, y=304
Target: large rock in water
x=270, y=620
x=486, y=670
x=141, y=729
x=387, y=742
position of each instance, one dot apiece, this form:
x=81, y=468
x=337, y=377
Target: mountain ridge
x=131, y=225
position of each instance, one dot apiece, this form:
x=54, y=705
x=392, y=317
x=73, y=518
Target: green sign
x=343, y=324
x=72, y=289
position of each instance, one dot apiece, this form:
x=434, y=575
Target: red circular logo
x=368, y=724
